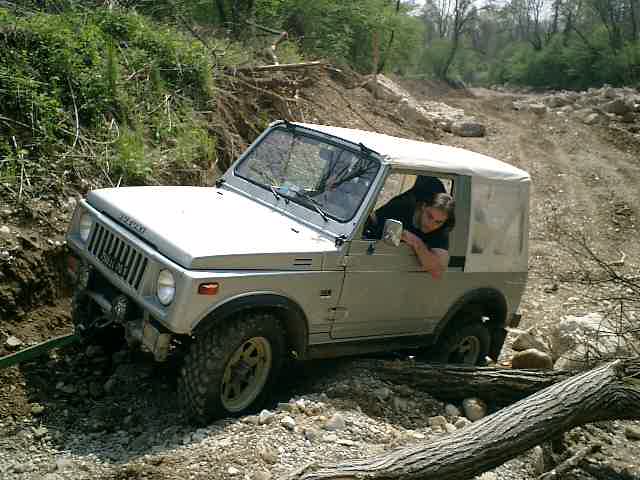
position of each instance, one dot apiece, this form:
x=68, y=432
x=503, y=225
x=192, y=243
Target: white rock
x=233, y=471
x=261, y=475
x=452, y=410
x=538, y=460
x=265, y=417
x=288, y=423
x=488, y=476
x=437, y=422
x=330, y=438
x=461, y=423
x=336, y=422
x=64, y=463
x=450, y=428
x=13, y=342
x=474, y=408
x=576, y=336
x=592, y=119
x=5, y=230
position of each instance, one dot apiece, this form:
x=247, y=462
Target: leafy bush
x=80, y=79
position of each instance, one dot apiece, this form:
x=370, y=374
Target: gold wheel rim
x=467, y=351
x=246, y=374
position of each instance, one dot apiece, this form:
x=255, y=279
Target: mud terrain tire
x=231, y=368
x=465, y=342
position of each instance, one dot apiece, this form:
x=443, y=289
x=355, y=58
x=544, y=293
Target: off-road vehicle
x=274, y=261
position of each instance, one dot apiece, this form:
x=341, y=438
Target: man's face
x=431, y=218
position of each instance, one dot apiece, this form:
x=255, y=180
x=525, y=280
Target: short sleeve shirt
x=401, y=208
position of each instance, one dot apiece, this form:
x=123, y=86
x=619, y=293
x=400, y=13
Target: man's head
x=435, y=211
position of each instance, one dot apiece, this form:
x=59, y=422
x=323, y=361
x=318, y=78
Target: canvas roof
x=412, y=154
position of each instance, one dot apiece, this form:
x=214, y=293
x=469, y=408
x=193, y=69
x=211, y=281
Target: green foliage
x=99, y=77
x=343, y=30
x=434, y=57
x=569, y=64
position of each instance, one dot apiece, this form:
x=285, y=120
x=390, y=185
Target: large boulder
x=468, y=128
x=617, y=106
x=581, y=341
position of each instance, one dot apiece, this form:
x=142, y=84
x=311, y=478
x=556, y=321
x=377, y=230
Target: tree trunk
x=501, y=386
x=609, y=392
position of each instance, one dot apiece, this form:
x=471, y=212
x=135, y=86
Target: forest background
x=134, y=89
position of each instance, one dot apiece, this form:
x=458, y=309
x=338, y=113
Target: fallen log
x=501, y=386
x=609, y=392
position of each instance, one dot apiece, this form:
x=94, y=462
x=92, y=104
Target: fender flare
x=492, y=303
x=289, y=311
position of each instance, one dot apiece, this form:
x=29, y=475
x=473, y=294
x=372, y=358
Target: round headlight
x=166, y=290
x=86, y=222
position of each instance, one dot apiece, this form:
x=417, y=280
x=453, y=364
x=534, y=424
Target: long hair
x=443, y=202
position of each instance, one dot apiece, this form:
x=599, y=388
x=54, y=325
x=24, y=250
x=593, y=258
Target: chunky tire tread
x=458, y=329
x=204, y=365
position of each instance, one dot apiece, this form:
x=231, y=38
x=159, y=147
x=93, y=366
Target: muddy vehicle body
x=274, y=261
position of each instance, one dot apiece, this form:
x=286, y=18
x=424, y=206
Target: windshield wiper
x=303, y=195
x=314, y=203
x=274, y=190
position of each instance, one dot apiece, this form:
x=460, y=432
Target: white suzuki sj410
x=275, y=260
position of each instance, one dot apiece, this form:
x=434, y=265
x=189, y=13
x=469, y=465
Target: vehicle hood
x=206, y=227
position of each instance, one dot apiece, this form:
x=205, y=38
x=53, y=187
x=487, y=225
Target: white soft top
x=412, y=154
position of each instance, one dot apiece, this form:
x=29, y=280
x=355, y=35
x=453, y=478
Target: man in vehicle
x=427, y=216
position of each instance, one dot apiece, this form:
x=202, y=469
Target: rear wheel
x=464, y=343
x=231, y=369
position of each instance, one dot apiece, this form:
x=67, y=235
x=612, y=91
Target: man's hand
x=430, y=261
x=411, y=239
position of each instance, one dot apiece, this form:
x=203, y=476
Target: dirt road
x=585, y=179
x=85, y=415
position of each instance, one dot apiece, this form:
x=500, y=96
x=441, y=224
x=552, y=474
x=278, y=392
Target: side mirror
x=392, y=232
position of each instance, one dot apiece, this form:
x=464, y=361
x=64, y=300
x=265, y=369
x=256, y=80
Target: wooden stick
x=284, y=66
x=570, y=463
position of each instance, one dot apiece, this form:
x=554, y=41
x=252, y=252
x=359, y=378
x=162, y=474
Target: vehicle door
x=385, y=290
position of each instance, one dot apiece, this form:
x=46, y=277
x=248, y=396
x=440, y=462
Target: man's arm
x=434, y=260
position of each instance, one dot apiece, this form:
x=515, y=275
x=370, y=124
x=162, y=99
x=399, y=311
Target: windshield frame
x=347, y=224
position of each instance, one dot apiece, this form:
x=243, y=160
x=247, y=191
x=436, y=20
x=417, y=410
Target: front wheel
x=231, y=369
x=464, y=343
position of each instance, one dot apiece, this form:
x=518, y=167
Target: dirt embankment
x=84, y=414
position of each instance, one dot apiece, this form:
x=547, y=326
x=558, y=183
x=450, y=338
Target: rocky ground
x=85, y=413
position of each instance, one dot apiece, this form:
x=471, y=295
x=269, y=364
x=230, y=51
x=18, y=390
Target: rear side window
x=498, y=216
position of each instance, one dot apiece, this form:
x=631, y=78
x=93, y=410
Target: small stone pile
x=593, y=107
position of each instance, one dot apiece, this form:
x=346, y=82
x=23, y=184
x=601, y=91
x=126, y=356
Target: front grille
x=117, y=255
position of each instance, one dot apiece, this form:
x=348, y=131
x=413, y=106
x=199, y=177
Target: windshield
x=323, y=177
